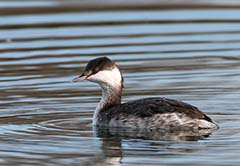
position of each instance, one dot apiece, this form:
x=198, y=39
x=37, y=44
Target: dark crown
x=99, y=64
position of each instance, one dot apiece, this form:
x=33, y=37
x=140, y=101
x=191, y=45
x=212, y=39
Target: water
x=185, y=53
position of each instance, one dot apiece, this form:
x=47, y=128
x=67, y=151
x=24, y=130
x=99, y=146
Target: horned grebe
x=150, y=113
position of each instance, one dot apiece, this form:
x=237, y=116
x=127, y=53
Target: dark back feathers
x=150, y=106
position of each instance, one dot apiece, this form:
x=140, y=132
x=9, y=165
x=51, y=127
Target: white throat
x=111, y=84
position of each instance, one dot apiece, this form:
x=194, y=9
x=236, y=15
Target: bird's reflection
x=112, y=138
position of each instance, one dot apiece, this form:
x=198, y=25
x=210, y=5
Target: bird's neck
x=111, y=96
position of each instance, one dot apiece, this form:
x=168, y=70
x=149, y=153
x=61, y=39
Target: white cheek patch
x=112, y=77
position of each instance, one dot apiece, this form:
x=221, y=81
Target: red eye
x=94, y=71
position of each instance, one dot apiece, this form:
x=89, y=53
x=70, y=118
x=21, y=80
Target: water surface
x=186, y=53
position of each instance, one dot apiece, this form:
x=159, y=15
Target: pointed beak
x=79, y=78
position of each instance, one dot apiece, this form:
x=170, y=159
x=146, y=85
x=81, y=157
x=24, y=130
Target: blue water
x=189, y=54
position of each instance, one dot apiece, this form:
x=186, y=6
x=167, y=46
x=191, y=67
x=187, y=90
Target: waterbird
x=155, y=113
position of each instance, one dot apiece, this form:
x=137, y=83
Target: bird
x=153, y=113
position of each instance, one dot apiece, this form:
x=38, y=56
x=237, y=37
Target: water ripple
x=190, y=55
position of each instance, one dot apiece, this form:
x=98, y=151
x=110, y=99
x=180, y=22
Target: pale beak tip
x=74, y=80
x=78, y=78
